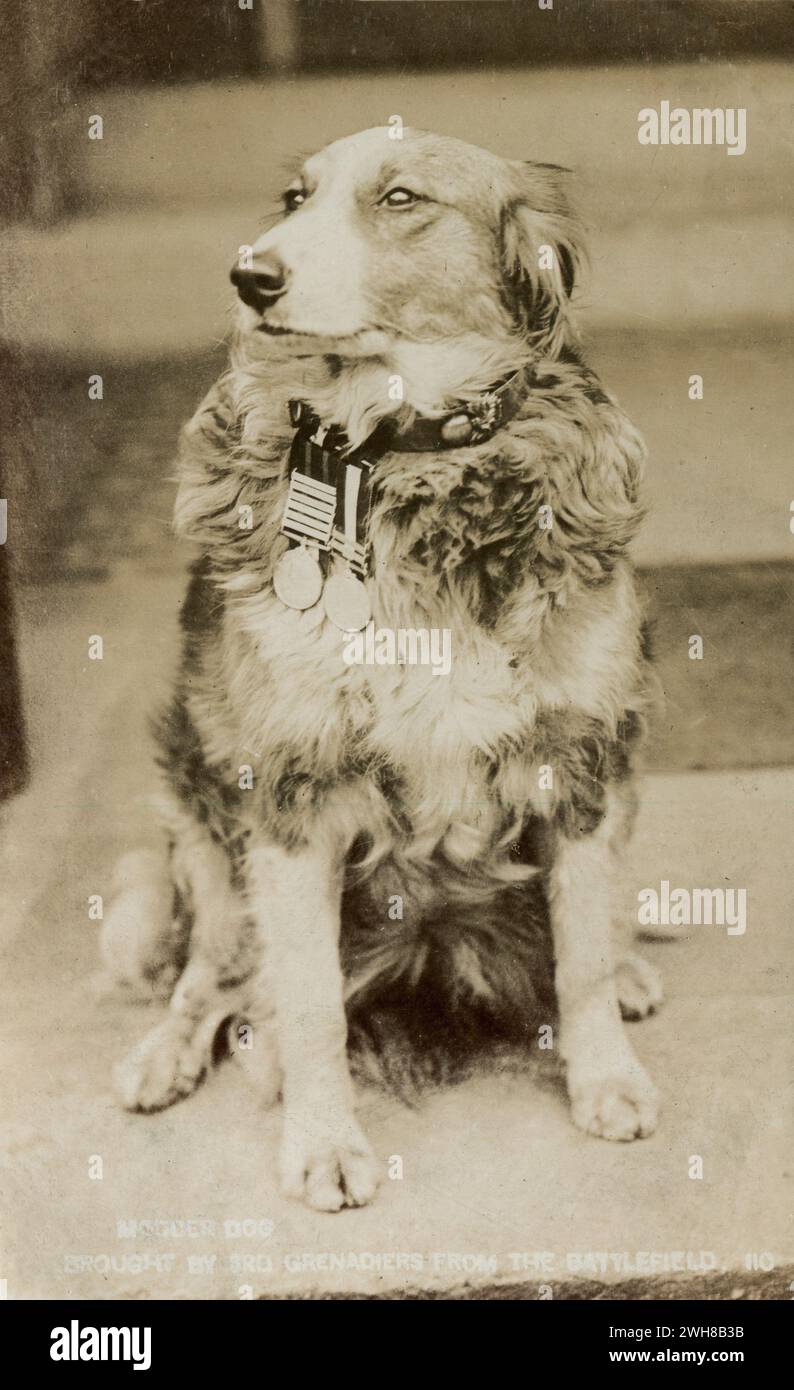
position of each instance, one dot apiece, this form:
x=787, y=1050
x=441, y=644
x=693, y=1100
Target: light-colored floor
x=490, y=1171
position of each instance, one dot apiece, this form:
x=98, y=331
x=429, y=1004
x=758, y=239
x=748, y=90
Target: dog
x=367, y=851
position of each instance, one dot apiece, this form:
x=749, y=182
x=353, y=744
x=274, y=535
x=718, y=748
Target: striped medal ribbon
x=323, y=484
x=308, y=522
x=345, y=598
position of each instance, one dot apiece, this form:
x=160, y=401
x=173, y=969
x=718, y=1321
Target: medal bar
x=309, y=511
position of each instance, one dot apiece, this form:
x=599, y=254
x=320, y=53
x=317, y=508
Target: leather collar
x=472, y=422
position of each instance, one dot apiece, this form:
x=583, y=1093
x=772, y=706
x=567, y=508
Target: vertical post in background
x=278, y=28
x=13, y=742
x=48, y=196
x=37, y=40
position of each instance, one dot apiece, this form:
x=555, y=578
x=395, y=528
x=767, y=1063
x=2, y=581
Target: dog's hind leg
x=638, y=983
x=141, y=941
x=171, y=1060
x=252, y=1042
x=639, y=986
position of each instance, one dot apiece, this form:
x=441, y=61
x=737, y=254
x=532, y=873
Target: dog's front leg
x=295, y=899
x=611, y=1093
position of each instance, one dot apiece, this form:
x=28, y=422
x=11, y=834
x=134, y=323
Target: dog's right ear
x=542, y=250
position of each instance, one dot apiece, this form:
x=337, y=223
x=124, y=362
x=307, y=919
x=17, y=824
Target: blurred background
x=114, y=258
x=115, y=252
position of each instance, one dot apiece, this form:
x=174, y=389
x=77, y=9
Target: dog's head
x=424, y=239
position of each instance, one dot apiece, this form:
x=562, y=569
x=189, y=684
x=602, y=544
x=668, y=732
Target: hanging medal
x=345, y=596
x=297, y=578
x=308, y=519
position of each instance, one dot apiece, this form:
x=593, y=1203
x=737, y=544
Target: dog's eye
x=399, y=198
x=294, y=198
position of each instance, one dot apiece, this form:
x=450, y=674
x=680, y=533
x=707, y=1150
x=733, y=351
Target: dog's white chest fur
x=459, y=748
x=439, y=735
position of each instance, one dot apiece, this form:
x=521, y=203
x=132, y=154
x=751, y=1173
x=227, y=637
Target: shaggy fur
x=394, y=844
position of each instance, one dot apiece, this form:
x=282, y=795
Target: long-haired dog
x=367, y=852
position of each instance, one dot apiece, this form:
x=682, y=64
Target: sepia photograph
x=396, y=660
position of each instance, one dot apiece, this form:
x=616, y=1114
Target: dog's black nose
x=262, y=285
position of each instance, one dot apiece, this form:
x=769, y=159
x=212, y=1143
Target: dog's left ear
x=542, y=251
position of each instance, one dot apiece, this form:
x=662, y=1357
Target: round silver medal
x=297, y=578
x=346, y=602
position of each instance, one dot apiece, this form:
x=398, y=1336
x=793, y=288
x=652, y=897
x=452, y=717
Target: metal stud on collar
x=475, y=423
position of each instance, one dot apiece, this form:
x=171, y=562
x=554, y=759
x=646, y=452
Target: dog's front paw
x=327, y=1170
x=159, y=1070
x=639, y=987
x=619, y=1104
